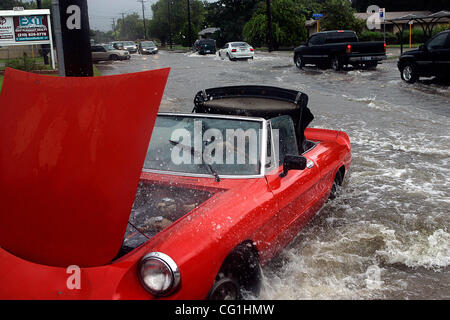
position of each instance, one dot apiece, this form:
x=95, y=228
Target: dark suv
x=205, y=46
x=430, y=59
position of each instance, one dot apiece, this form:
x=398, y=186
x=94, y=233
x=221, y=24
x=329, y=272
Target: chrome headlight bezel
x=168, y=263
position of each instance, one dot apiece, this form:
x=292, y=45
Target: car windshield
x=147, y=44
x=205, y=145
x=128, y=43
x=240, y=44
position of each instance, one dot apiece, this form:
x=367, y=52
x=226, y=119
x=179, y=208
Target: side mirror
x=292, y=162
x=423, y=47
x=304, y=43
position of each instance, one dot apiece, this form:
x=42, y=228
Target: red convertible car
x=220, y=191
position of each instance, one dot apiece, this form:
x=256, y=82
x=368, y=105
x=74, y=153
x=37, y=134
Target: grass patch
x=405, y=46
x=1, y=82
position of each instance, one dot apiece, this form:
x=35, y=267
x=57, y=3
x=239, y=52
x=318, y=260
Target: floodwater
x=387, y=235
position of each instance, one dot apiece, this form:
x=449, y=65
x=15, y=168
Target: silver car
x=106, y=53
x=148, y=47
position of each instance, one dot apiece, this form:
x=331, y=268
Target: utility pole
x=269, y=27
x=189, y=23
x=170, y=31
x=122, y=28
x=114, y=28
x=143, y=17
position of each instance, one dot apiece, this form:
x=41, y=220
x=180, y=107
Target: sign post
x=317, y=17
x=26, y=27
x=72, y=38
x=383, y=18
x=410, y=29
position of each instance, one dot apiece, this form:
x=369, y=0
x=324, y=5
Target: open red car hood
x=71, y=153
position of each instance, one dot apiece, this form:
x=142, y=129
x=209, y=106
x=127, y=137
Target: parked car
x=106, y=53
x=147, y=47
x=430, y=59
x=205, y=46
x=197, y=229
x=337, y=49
x=237, y=50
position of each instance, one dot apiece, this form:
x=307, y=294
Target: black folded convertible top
x=257, y=101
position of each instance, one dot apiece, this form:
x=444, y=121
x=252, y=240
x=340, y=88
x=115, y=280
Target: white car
x=237, y=50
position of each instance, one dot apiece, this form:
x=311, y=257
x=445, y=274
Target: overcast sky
x=101, y=12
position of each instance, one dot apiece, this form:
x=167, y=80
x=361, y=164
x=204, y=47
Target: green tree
x=159, y=25
x=288, y=24
x=339, y=14
x=130, y=28
x=229, y=16
x=10, y=4
x=402, y=5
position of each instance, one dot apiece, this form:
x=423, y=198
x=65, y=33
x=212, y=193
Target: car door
x=295, y=194
x=314, y=51
x=439, y=50
x=224, y=50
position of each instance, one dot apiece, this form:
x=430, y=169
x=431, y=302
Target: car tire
x=229, y=57
x=114, y=57
x=240, y=273
x=298, y=60
x=370, y=65
x=337, y=183
x=409, y=73
x=336, y=63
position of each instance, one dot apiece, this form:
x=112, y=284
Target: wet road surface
x=387, y=235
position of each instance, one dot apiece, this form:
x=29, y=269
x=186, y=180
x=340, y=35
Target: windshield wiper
x=194, y=152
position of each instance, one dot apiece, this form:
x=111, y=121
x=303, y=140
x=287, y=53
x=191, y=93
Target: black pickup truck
x=337, y=49
x=430, y=59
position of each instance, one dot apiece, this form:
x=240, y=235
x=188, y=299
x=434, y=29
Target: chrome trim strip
x=202, y=175
x=208, y=115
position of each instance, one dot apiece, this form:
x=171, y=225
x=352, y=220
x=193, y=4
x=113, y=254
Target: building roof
x=394, y=14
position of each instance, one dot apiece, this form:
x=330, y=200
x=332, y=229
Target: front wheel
x=299, y=61
x=409, y=73
x=114, y=57
x=240, y=273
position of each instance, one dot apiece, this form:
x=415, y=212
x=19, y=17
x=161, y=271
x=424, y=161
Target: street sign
x=382, y=14
x=72, y=38
x=317, y=16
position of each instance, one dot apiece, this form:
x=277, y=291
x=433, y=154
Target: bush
x=25, y=63
x=417, y=36
x=377, y=36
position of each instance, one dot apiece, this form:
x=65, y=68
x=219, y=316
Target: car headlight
x=159, y=274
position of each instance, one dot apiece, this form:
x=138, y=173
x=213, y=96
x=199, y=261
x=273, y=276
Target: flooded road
x=387, y=235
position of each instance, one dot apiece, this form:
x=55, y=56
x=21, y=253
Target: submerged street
x=387, y=235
